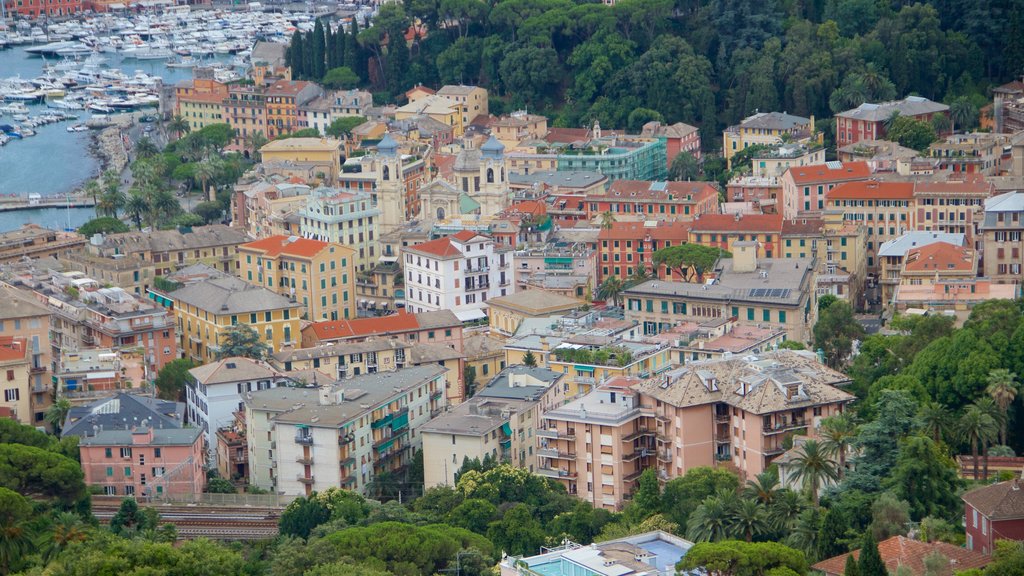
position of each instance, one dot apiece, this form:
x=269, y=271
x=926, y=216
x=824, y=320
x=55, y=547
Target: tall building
x=282, y=105
x=320, y=275
x=341, y=217
x=804, y=188
x=15, y=380
x=22, y=317
x=1003, y=254
x=144, y=461
x=458, y=273
x=200, y=101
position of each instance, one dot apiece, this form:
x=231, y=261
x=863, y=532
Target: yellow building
x=768, y=128
x=200, y=102
x=839, y=246
x=486, y=355
x=506, y=313
x=207, y=309
x=320, y=275
x=473, y=100
x=15, y=379
x=324, y=154
x=437, y=107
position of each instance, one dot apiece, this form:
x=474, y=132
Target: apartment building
x=283, y=99
x=22, y=317
x=767, y=128
x=472, y=100
x=15, y=379
x=886, y=209
x=41, y=8
x=200, y=101
x=441, y=327
x=892, y=254
x=506, y=313
x=673, y=201
x=715, y=339
x=867, y=121
x=268, y=208
x=520, y=125
x=499, y=422
x=778, y=293
x=245, y=110
x=628, y=246
x=679, y=137
x=840, y=247
x=1002, y=256
x=485, y=355
x=320, y=275
x=738, y=410
x=320, y=155
x=952, y=206
x=458, y=273
x=99, y=372
x=805, y=188
x=214, y=392
x=34, y=241
x=342, y=434
x=775, y=161
x=724, y=231
x=972, y=153
x=206, y=309
x=215, y=245
x=111, y=413
x=348, y=218
x=143, y=461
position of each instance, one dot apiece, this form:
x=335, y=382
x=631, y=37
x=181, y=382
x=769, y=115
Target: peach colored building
x=441, y=326
x=145, y=462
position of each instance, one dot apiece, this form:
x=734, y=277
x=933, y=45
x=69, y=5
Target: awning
x=584, y=368
x=506, y=429
x=470, y=315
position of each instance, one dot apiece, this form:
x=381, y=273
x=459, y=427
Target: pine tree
x=319, y=50
x=870, y=562
x=852, y=569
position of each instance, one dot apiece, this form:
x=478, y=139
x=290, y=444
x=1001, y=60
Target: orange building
x=37, y=8
x=655, y=200
x=627, y=246
x=282, y=105
x=722, y=230
x=200, y=101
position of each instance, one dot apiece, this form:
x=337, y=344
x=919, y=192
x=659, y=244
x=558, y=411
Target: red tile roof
x=1000, y=501
x=675, y=231
x=826, y=173
x=280, y=244
x=339, y=329
x=939, y=256
x=12, y=348
x=287, y=87
x=978, y=187
x=902, y=551
x=872, y=190
x=465, y=235
x=730, y=223
x=679, y=191
x=802, y=226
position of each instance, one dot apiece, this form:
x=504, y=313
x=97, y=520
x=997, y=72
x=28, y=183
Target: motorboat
x=14, y=108
x=183, y=62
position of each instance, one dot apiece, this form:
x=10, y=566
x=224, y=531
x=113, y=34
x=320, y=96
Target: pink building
x=993, y=512
x=145, y=461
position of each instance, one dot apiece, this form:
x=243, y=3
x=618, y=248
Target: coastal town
x=372, y=290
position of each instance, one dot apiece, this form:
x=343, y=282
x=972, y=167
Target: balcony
x=556, y=453
x=348, y=480
x=633, y=475
x=436, y=394
x=305, y=460
x=638, y=433
x=37, y=369
x=305, y=479
x=555, y=473
x=779, y=427
x=722, y=418
x=585, y=380
x=346, y=462
x=303, y=440
x=436, y=412
x=774, y=451
x=638, y=453
x=556, y=435
x=346, y=439
x=664, y=455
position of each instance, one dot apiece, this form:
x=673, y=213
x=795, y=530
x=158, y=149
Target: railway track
x=213, y=522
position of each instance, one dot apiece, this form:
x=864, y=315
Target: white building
x=215, y=392
x=343, y=217
x=458, y=273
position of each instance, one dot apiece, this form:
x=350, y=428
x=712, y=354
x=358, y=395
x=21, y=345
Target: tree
x=711, y=521
x=57, y=414
x=529, y=359
x=15, y=534
x=342, y=127
x=137, y=207
x=1002, y=387
x=916, y=134
x=172, y=378
x=178, y=125
x=68, y=529
x=220, y=486
x=682, y=495
x=935, y=420
x=647, y=498
x=130, y=519
x=341, y=77
x=743, y=558
x=763, y=488
x=254, y=142
x=870, y=562
x=684, y=167
x=926, y=478
x=749, y=519
x=102, y=225
x=812, y=465
x=890, y=516
x=835, y=331
x=405, y=548
x=607, y=220
x=469, y=378
x=210, y=212
x=963, y=113
x=242, y=340
x=610, y=290
x=838, y=433
x=475, y=514
x=302, y=515
x=40, y=474
x=518, y=532
x=690, y=260
x=978, y=429
x=834, y=527
x=145, y=148
x=205, y=171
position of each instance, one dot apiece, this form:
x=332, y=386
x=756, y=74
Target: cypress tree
x=398, y=60
x=319, y=50
x=870, y=561
x=329, y=48
x=353, y=52
x=295, y=55
x=852, y=569
x=339, y=47
x=307, y=56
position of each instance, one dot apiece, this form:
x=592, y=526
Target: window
x=750, y=314
x=127, y=471
x=107, y=452
x=12, y=395
x=110, y=470
x=156, y=452
x=126, y=452
x=766, y=315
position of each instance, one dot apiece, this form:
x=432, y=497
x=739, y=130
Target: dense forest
x=705, y=62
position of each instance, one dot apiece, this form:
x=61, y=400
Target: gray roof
x=437, y=319
x=476, y=417
x=569, y=178
x=230, y=295
x=900, y=246
x=774, y=121
x=214, y=235
x=233, y=369
x=514, y=383
x=909, y=106
x=787, y=283
x=423, y=352
x=339, y=348
x=17, y=304
x=1009, y=202
x=164, y=437
x=122, y=411
x=270, y=52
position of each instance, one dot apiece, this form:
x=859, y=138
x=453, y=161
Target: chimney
x=744, y=257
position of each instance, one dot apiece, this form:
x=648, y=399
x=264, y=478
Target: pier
x=14, y=203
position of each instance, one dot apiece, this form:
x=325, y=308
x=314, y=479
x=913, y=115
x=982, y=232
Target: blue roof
x=492, y=148
x=387, y=146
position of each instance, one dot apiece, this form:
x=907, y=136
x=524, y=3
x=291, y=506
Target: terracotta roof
x=420, y=88
x=902, y=551
x=287, y=87
x=12, y=348
x=730, y=223
x=830, y=172
x=288, y=245
x=802, y=226
x=677, y=192
x=443, y=247
x=872, y=190
x=1000, y=501
x=939, y=256
x=465, y=235
x=978, y=187
x=566, y=135
x=340, y=329
x=676, y=231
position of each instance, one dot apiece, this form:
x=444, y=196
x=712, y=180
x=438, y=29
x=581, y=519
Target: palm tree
x=640, y=275
x=607, y=220
x=205, y=170
x=962, y=112
x=178, y=125
x=889, y=122
x=145, y=148
x=709, y=521
x=610, y=290
x=749, y=519
x=977, y=428
x=837, y=434
x=163, y=206
x=57, y=413
x=111, y=181
x=1002, y=387
x=112, y=201
x=136, y=206
x=804, y=535
x=68, y=528
x=934, y=419
x=763, y=488
x=785, y=509
x=92, y=188
x=254, y=142
x=813, y=466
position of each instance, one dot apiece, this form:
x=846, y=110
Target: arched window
x=490, y=175
x=387, y=172
x=440, y=213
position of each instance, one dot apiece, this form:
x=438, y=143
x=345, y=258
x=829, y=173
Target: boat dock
x=14, y=203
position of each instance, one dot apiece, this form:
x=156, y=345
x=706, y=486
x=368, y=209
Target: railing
x=436, y=412
x=555, y=435
x=585, y=380
x=638, y=433
x=664, y=455
x=555, y=473
x=783, y=426
x=304, y=440
x=720, y=418
x=305, y=479
x=555, y=453
x=345, y=439
x=436, y=394
x=308, y=461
